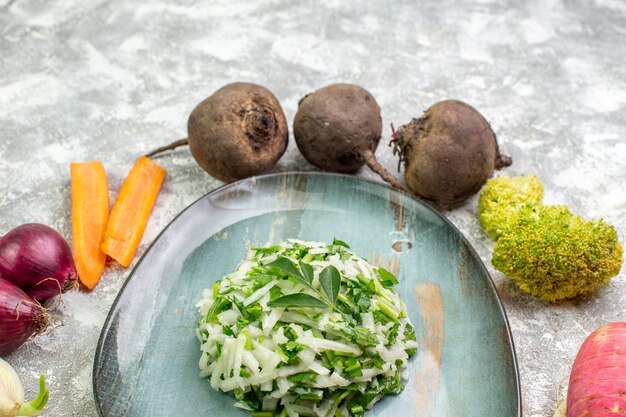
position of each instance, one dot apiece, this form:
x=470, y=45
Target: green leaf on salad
x=301, y=300
x=275, y=292
x=330, y=280
x=303, y=378
x=287, y=267
x=307, y=271
x=337, y=242
x=266, y=250
x=219, y=305
x=387, y=279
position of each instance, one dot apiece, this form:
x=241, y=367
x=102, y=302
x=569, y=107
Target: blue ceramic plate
x=146, y=362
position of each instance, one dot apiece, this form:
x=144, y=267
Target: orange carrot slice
x=90, y=212
x=131, y=210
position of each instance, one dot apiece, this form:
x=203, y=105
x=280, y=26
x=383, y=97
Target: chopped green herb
x=387, y=279
x=337, y=242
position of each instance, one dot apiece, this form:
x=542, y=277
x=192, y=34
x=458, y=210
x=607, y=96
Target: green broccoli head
x=501, y=198
x=554, y=254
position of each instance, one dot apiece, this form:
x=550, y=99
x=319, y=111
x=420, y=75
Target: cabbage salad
x=305, y=329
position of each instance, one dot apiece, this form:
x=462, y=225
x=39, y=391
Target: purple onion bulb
x=20, y=317
x=38, y=260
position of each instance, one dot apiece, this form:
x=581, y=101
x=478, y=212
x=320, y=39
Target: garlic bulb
x=11, y=391
x=12, y=394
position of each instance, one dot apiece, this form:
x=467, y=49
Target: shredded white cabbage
x=305, y=328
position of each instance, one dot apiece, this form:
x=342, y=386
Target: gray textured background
x=109, y=80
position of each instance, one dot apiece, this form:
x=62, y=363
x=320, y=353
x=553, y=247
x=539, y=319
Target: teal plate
x=146, y=363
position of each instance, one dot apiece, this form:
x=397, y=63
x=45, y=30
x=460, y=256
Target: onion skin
x=37, y=259
x=597, y=385
x=20, y=317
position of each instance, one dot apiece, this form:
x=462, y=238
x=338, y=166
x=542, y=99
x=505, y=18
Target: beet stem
x=173, y=145
x=503, y=161
x=374, y=165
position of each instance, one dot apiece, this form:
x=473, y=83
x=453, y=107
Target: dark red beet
x=38, y=260
x=337, y=128
x=448, y=153
x=20, y=317
x=238, y=132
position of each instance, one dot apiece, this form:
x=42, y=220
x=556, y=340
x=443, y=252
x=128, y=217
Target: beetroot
x=237, y=132
x=448, y=153
x=337, y=128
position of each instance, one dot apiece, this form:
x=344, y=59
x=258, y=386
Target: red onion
x=37, y=259
x=20, y=317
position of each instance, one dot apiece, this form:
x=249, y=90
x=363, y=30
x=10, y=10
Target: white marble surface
x=109, y=80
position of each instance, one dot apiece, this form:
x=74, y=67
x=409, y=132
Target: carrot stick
x=90, y=212
x=131, y=210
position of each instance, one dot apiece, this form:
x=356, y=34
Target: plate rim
x=428, y=205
